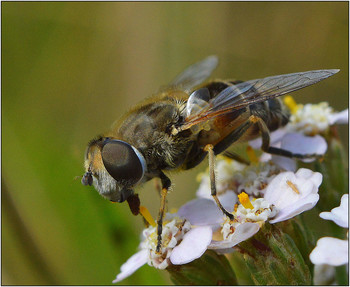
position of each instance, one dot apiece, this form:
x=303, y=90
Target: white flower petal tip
x=331, y=251
x=292, y=193
x=339, y=214
x=243, y=232
x=193, y=245
x=301, y=144
x=339, y=118
x=131, y=265
x=201, y=211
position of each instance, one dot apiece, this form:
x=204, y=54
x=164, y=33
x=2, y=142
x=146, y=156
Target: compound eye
x=123, y=162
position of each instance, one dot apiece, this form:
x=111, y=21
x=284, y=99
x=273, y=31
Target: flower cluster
x=181, y=244
x=269, y=189
x=313, y=119
x=187, y=234
x=287, y=195
x=236, y=177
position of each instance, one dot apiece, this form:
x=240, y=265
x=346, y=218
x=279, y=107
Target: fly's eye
x=123, y=162
x=87, y=178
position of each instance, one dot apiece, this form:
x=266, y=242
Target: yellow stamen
x=291, y=104
x=244, y=200
x=146, y=215
x=251, y=155
x=293, y=186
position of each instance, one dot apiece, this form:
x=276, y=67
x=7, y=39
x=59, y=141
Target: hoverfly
x=182, y=124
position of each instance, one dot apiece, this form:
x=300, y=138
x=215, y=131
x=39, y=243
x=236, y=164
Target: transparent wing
x=197, y=101
x=195, y=74
x=246, y=93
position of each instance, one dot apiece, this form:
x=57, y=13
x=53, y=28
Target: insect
x=182, y=124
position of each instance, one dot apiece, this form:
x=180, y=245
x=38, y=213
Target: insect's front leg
x=157, y=186
x=134, y=203
x=166, y=183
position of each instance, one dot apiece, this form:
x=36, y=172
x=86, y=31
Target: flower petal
x=339, y=118
x=301, y=144
x=339, y=214
x=308, y=174
x=132, y=264
x=228, y=200
x=293, y=193
x=193, y=245
x=241, y=233
x=284, y=162
x=292, y=210
x=201, y=211
x=331, y=251
x=280, y=190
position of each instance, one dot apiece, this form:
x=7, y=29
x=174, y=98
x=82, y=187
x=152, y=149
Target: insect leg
x=236, y=157
x=220, y=147
x=235, y=135
x=135, y=207
x=157, y=186
x=134, y=203
x=265, y=136
x=210, y=149
x=166, y=183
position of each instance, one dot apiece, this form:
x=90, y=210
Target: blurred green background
x=70, y=69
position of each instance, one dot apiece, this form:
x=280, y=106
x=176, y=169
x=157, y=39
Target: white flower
x=287, y=195
x=339, y=118
x=257, y=210
x=254, y=178
x=294, y=142
x=329, y=250
x=339, y=214
x=235, y=177
x=239, y=234
x=293, y=193
x=181, y=244
x=312, y=119
x=301, y=135
x=248, y=216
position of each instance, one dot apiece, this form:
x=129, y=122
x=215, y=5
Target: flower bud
x=210, y=269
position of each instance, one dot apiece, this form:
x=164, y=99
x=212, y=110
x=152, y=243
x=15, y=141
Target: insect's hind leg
x=166, y=183
x=265, y=136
